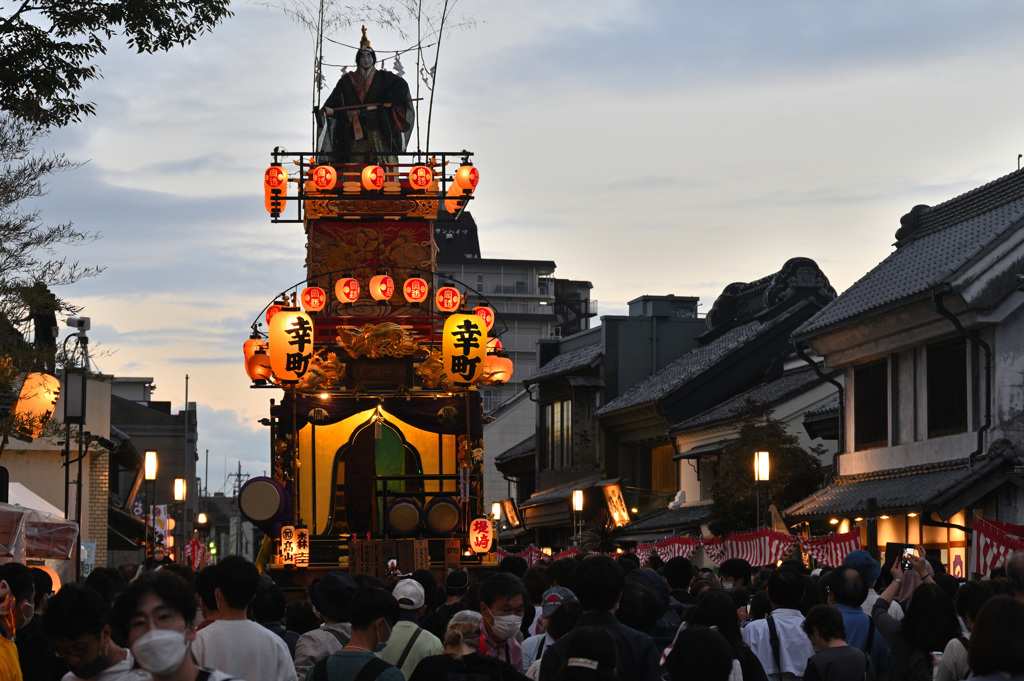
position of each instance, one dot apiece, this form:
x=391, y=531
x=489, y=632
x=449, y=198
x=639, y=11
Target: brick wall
x=98, y=502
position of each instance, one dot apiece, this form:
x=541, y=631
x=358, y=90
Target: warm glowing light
x=271, y=311
x=883, y=517
x=833, y=521
x=179, y=489
x=455, y=198
x=496, y=510
x=347, y=290
x=448, y=299
x=325, y=178
x=481, y=535
x=497, y=369
x=313, y=298
x=36, y=401
x=857, y=520
x=258, y=367
x=420, y=177
x=761, y=466
x=373, y=178
x=275, y=179
x=464, y=348
x=577, y=500
x=493, y=345
x=150, y=466
x=382, y=287
x=633, y=510
x=467, y=177
x=250, y=347
x=911, y=515
x=291, y=344
x=415, y=290
x=202, y=518
x=485, y=313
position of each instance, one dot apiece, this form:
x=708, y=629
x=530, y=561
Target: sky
x=648, y=147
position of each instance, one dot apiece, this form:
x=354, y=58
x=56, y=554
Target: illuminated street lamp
x=577, y=508
x=179, y=495
x=761, y=474
x=150, y=473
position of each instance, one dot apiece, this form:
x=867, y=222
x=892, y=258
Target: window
x=871, y=405
x=947, y=388
x=492, y=399
x=557, y=434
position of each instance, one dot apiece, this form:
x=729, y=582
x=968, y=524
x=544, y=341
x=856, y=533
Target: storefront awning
x=704, y=450
x=945, y=488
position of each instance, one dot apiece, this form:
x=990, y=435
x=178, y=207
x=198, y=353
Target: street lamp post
x=150, y=471
x=761, y=474
x=577, y=508
x=179, y=495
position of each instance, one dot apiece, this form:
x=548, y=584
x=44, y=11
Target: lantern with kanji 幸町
x=382, y=287
x=373, y=177
x=347, y=290
x=481, y=535
x=415, y=290
x=291, y=344
x=36, y=400
x=420, y=178
x=485, y=313
x=313, y=298
x=325, y=178
x=448, y=299
x=464, y=348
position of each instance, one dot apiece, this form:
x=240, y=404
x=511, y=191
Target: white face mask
x=506, y=626
x=160, y=651
x=728, y=586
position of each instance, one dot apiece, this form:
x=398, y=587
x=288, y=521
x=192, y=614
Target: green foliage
x=794, y=472
x=47, y=47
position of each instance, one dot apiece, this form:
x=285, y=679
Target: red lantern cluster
x=420, y=178
x=373, y=177
x=325, y=178
x=448, y=299
x=415, y=290
x=314, y=299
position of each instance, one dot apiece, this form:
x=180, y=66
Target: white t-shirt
x=122, y=671
x=244, y=649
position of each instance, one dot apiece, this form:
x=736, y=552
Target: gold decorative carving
x=377, y=340
x=432, y=374
x=323, y=374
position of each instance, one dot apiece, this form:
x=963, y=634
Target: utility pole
x=240, y=479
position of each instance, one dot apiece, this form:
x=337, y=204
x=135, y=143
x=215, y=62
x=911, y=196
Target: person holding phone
x=929, y=625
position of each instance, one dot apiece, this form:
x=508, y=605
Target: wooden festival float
x=376, y=437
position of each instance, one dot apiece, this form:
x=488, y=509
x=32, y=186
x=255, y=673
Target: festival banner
x=830, y=550
x=993, y=543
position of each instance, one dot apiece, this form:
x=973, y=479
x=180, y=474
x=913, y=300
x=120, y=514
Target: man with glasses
x=155, y=615
x=77, y=622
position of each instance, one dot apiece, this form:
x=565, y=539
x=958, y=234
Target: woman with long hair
x=718, y=609
x=994, y=651
x=929, y=624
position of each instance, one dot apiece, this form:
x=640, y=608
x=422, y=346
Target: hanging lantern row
x=371, y=178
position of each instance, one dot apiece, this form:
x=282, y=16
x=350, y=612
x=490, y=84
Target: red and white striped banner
x=567, y=553
x=994, y=541
x=714, y=548
x=830, y=550
x=760, y=547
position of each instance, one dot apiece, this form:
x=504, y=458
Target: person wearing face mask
x=35, y=649
x=374, y=612
x=17, y=591
x=735, y=573
x=155, y=616
x=502, y=604
x=77, y=622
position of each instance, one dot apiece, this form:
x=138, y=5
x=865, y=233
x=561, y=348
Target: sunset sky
x=648, y=147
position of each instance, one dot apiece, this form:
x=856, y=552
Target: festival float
x=376, y=430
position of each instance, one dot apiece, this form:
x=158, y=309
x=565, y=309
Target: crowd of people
x=585, y=618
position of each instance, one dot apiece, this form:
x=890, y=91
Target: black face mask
x=91, y=669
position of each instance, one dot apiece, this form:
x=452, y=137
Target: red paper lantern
x=347, y=290
x=481, y=535
x=271, y=311
x=313, y=298
x=497, y=369
x=467, y=177
x=325, y=178
x=275, y=178
x=420, y=177
x=251, y=346
x=485, y=313
x=448, y=299
x=373, y=177
x=258, y=367
x=382, y=287
x=493, y=345
x=415, y=290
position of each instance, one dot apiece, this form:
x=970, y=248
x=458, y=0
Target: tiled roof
x=561, y=492
x=829, y=405
x=527, y=446
x=770, y=393
x=669, y=520
x=691, y=365
x=563, y=364
x=950, y=236
x=903, y=489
